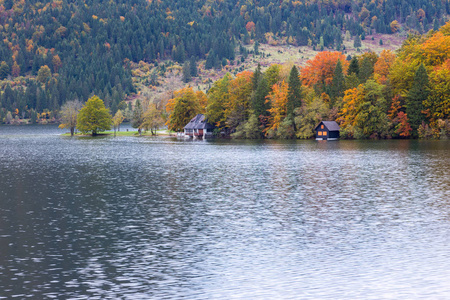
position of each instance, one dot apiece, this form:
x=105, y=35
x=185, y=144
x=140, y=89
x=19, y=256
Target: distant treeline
x=86, y=44
x=389, y=95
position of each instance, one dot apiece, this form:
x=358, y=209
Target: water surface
x=163, y=218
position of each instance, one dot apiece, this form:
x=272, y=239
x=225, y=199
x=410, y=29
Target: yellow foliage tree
x=278, y=98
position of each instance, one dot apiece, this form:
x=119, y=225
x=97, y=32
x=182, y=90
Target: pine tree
x=186, y=72
x=193, y=67
x=353, y=68
x=414, y=100
x=258, y=98
x=256, y=77
x=294, y=98
x=338, y=83
x=357, y=42
x=366, y=70
x=4, y=70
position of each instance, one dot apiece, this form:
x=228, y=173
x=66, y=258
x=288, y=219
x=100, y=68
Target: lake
x=168, y=218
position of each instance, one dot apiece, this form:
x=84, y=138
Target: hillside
x=93, y=47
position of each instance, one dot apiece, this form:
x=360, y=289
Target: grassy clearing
x=127, y=133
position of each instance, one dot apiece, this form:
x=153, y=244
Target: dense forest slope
x=55, y=51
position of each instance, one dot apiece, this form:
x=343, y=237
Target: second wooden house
x=327, y=130
x=199, y=127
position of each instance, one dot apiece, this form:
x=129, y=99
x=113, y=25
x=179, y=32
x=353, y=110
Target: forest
x=58, y=51
x=391, y=95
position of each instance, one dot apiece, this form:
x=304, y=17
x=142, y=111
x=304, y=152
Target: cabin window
x=324, y=133
x=319, y=133
x=321, y=126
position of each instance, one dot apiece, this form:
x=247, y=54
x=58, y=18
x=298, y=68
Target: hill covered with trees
x=374, y=96
x=55, y=51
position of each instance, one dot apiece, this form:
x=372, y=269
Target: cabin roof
x=199, y=122
x=330, y=125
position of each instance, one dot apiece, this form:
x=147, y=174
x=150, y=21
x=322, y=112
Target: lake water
x=163, y=218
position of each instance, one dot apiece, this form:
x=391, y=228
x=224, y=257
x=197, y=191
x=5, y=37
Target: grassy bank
x=129, y=133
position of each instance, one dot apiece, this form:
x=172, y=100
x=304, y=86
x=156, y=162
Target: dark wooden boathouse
x=327, y=130
x=199, y=127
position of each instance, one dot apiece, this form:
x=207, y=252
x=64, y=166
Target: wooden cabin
x=199, y=127
x=327, y=130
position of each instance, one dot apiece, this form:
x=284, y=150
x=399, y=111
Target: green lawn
x=129, y=133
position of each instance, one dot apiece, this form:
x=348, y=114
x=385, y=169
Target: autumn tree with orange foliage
x=237, y=108
x=278, y=99
x=182, y=108
x=319, y=70
x=383, y=65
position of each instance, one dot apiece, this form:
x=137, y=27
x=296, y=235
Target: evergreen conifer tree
x=357, y=42
x=256, y=77
x=414, y=100
x=258, y=98
x=353, y=68
x=294, y=97
x=4, y=70
x=366, y=70
x=193, y=67
x=186, y=72
x=338, y=83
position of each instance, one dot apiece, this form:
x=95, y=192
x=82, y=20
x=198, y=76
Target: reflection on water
x=168, y=219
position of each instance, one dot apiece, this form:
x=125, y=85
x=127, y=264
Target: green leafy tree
x=44, y=74
x=117, y=120
x=217, y=100
x=69, y=114
x=153, y=119
x=416, y=96
x=138, y=116
x=94, y=117
x=182, y=108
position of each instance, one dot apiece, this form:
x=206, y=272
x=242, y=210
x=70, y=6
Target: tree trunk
x=72, y=130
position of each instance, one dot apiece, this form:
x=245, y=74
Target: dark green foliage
x=193, y=67
x=338, y=83
x=4, y=70
x=357, y=42
x=186, y=77
x=366, y=69
x=414, y=100
x=256, y=77
x=294, y=97
x=138, y=116
x=353, y=68
x=258, y=98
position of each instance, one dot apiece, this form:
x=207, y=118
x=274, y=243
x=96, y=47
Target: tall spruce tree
x=365, y=70
x=186, y=76
x=338, y=83
x=258, y=98
x=294, y=97
x=414, y=100
x=256, y=77
x=193, y=67
x=353, y=68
